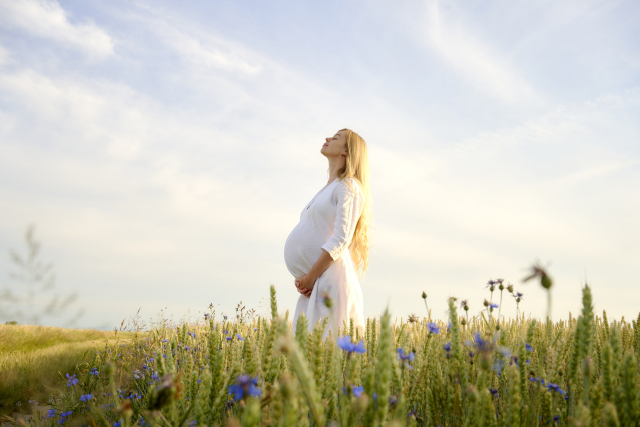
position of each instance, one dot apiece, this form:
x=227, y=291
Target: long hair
x=357, y=167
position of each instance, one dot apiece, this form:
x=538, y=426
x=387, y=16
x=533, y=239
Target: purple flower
x=433, y=328
x=94, y=371
x=346, y=344
x=529, y=348
x=555, y=387
x=239, y=337
x=493, y=306
x=494, y=392
x=51, y=413
x=402, y=356
x=71, y=380
x=357, y=391
x=85, y=397
x=244, y=386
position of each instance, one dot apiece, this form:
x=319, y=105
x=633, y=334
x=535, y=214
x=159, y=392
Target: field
x=463, y=371
x=35, y=359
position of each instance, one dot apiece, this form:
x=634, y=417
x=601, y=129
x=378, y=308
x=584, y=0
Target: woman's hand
x=305, y=284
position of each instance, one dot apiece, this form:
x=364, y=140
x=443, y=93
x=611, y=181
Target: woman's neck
x=335, y=165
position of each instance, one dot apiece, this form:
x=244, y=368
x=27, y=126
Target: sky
x=164, y=150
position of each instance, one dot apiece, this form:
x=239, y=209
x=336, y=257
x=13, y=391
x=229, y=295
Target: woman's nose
x=327, y=139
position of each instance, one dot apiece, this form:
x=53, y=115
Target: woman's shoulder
x=350, y=184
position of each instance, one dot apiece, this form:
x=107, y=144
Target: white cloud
x=194, y=51
x=48, y=19
x=4, y=55
x=476, y=61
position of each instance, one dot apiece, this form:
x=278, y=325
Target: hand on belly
x=305, y=284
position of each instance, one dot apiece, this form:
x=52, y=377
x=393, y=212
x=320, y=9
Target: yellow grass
x=35, y=359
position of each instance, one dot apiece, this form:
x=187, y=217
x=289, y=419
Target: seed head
x=424, y=295
x=538, y=271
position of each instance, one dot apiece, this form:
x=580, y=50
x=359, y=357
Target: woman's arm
x=306, y=282
x=347, y=213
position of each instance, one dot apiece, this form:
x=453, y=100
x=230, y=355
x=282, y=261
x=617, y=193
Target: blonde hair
x=357, y=167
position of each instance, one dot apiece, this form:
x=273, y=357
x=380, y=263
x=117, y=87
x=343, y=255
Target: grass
x=28, y=338
x=466, y=370
x=35, y=359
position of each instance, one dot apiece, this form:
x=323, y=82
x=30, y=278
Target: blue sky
x=165, y=150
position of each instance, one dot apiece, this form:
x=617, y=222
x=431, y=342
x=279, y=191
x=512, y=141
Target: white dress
x=328, y=223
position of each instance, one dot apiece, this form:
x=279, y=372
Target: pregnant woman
x=331, y=241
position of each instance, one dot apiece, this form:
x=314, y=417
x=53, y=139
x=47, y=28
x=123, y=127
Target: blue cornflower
x=255, y=329
x=357, y=391
x=402, y=356
x=116, y=424
x=493, y=306
x=225, y=332
x=71, y=380
x=433, y=328
x=239, y=337
x=528, y=346
x=244, y=386
x=483, y=346
x=51, y=413
x=66, y=414
x=491, y=283
x=225, y=317
x=448, y=326
x=85, y=397
x=555, y=387
x=94, y=371
x=406, y=357
x=375, y=396
x=514, y=359
x=447, y=347
x=165, y=340
x=350, y=347
x=494, y=392
x=228, y=338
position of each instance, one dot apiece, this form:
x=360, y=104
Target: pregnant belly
x=301, y=250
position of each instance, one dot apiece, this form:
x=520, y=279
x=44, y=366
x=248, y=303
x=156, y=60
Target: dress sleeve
x=349, y=207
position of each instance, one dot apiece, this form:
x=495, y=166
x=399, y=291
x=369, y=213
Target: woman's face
x=336, y=145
